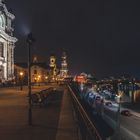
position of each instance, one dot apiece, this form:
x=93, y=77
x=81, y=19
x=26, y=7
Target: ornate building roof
x=40, y=64
x=6, y=18
x=3, y=8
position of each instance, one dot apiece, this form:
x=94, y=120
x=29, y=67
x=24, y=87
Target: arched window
x=2, y=21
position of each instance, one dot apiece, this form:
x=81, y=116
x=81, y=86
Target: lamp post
x=29, y=41
x=118, y=117
x=21, y=78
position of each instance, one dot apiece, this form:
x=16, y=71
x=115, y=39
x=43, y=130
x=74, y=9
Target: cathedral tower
x=52, y=61
x=64, y=69
x=53, y=68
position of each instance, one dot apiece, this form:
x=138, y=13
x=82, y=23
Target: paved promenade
x=53, y=122
x=67, y=129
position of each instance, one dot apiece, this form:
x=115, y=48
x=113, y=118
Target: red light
x=80, y=79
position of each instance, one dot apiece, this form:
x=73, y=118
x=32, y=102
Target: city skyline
x=69, y=70
x=101, y=38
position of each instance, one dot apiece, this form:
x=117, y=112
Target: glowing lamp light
x=21, y=73
x=46, y=77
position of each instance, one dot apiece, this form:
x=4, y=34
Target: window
x=35, y=71
x=1, y=49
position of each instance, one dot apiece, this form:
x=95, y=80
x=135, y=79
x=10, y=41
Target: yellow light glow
x=46, y=77
x=21, y=73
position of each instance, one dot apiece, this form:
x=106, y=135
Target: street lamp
x=118, y=115
x=29, y=41
x=21, y=79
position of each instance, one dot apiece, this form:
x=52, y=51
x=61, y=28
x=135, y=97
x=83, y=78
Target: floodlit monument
x=64, y=66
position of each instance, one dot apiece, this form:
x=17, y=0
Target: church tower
x=53, y=68
x=52, y=61
x=64, y=69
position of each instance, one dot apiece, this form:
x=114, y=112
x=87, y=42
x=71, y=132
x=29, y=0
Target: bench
x=43, y=97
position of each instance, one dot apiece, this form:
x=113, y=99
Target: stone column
x=12, y=60
x=9, y=60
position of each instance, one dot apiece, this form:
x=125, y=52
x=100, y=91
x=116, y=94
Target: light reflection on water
x=127, y=95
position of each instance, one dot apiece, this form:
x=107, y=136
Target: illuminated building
x=18, y=68
x=64, y=69
x=52, y=61
x=7, y=44
x=53, y=68
x=39, y=72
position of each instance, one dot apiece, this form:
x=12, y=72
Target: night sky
x=101, y=37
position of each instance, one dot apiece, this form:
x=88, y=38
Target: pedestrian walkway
x=67, y=129
x=52, y=122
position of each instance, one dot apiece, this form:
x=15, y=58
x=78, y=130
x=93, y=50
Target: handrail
x=89, y=124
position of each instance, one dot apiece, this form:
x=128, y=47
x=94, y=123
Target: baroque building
x=7, y=44
x=53, y=68
x=64, y=66
x=39, y=72
x=42, y=72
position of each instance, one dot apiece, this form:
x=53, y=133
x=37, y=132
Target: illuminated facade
x=64, y=69
x=52, y=61
x=39, y=72
x=7, y=44
x=20, y=68
x=53, y=68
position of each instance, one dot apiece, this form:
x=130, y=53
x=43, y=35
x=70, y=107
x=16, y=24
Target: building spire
x=35, y=60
